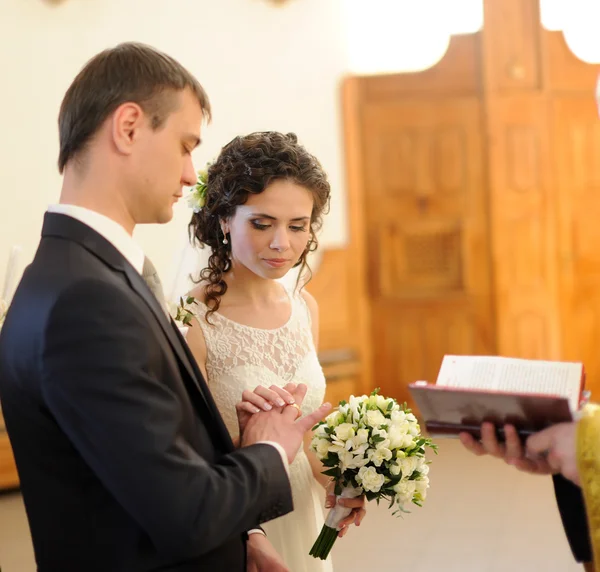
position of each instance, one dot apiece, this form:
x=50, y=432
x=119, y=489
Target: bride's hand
x=357, y=505
x=263, y=399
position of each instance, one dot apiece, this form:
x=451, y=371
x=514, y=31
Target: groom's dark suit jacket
x=124, y=461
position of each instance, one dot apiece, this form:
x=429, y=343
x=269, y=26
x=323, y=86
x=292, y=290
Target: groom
x=124, y=462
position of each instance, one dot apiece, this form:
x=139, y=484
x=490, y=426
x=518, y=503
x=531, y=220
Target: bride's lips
x=276, y=262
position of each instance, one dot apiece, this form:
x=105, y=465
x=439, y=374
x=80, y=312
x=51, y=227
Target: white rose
x=410, y=417
x=424, y=470
x=405, y=490
x=396, y=436
x=320, y=431
x=421, y=487
x=408, y=442
x=408, y=465
x=375, y=418
x=362, y=435
x=334, y=418
x=377, y=456
x=370, y=479
x=395, y=469
x=321, y=448
x=414, y=429
x=344, y=431
x=398, y=417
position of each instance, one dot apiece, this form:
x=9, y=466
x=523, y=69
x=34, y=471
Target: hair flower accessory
x=197, y=197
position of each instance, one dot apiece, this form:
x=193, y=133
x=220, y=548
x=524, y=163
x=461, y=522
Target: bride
x=259, y=209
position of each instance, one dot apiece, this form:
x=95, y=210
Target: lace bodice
x=241, y=357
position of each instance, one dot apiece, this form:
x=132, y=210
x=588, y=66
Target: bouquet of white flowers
x=372, y=446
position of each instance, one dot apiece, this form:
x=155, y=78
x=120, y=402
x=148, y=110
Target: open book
x=529, y=394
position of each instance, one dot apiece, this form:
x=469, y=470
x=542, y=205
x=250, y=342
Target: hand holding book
x=527, y=394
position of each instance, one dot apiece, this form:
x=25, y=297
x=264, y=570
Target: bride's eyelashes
x=260, y=226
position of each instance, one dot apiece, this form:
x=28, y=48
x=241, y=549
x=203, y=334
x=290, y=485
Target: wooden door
x=426, y=235
x=576, y=138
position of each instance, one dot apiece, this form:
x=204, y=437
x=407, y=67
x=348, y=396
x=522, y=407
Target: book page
x=513, y=375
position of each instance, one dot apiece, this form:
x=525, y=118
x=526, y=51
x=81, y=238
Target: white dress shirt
x=114, y=233
x=108, y=229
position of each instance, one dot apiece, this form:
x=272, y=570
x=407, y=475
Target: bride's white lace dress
x=241, y=357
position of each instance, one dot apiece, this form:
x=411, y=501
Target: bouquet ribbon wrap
x=339, y=512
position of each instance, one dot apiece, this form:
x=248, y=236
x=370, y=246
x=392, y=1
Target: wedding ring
x=298, y=408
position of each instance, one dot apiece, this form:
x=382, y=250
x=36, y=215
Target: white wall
x=264, y=67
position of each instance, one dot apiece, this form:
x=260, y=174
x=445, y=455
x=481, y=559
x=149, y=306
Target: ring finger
x=255, y=399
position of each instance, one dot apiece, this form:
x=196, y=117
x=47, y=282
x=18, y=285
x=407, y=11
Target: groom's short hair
x=128, y=72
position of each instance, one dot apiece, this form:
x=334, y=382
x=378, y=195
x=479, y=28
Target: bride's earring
x=225, y=241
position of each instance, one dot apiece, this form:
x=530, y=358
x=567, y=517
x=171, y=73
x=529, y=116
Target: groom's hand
x=262, y=557
x=282, y=424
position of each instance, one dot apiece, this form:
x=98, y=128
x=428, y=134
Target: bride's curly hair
x=248, y=165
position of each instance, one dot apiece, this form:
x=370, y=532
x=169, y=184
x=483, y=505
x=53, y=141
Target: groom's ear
x=126, y=124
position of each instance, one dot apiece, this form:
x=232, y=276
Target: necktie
x=151, y=278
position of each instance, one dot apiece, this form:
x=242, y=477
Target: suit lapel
x=179, y=346
x=62, y=226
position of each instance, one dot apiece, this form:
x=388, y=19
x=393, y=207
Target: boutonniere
x=183, y=313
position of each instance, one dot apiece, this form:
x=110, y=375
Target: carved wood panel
x=501, y=137
x=427, y=241
x=576, y=154
x=523, y=210
x=512, y=59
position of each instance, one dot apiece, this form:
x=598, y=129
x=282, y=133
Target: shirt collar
x=107, y=228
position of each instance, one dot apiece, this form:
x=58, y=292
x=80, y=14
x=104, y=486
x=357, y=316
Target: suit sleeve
x=574, y=518
x=99, y=382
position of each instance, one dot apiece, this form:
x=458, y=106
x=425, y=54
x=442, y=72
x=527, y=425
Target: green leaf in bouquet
x=390, y=405
x=377, y=439
x=331, y=460
x=375, y=391
x=334, y=472
x=400, y=511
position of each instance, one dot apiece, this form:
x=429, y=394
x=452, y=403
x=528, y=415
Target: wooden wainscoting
x=473, y=190
x=343, y=339
x=8, y=470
